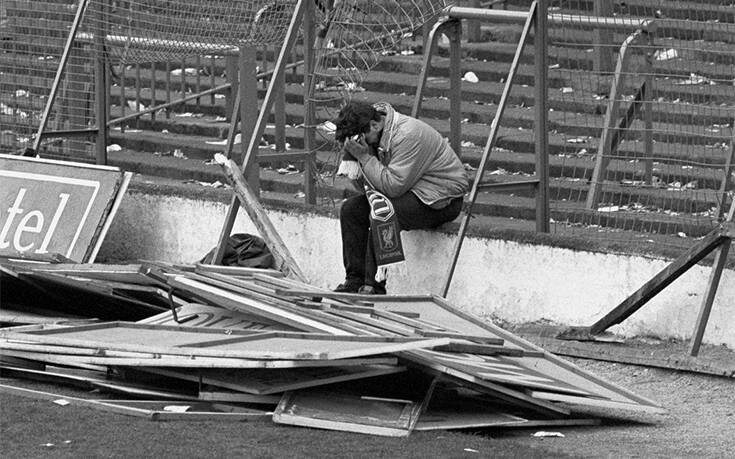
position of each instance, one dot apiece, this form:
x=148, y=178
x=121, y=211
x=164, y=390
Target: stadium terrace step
x=628, y=188
x=563, y=148
x=490, y=89
x=483, y=92
x=284, y=188
x=482, y=110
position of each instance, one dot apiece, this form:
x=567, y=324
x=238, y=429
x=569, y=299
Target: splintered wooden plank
x=70, y=203
x=526, y=372
x=313, y=291
x=575, y=400
x=384, y=325
x=249, y=202
x=313, y=347
x=431, y=309
x=448, y=419
x=265, y=295
x=326, y=305
x=89, y=380
x=191, y=410
x=487, y=340
x=457, y=407
x=153, y=410
x=111, y=333
x=280, y=284
x=129, y=273
x=76, y=378
x=240, y=303
x=201, y=315
x=10, y=316
x=504, y=370
x=220, y=343
x=266, y=382
x=24, y=346
x=501, y=392
x=277, y=284
x=533, y=372
x=188, y=361
x=238, y=397
x=414, y=322
x=484, y=349
x=247, y=287
x=345, y=412
x=31, y=360
x=236, y=270
x=287, y=282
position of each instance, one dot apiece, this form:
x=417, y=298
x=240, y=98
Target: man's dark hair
x=354, y=119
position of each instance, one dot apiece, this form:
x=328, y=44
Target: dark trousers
x=354, y=218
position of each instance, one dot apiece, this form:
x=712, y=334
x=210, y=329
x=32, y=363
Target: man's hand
x=358, y=149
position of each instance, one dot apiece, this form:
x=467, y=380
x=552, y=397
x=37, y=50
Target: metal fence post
x=541, y=106
x=231, y=75
x=602, y=58
x=454, y=32
x=310, y=169
x=474, y=34
x=279, y=107
x=647, y=104
x=102, y=89
x=249, y=112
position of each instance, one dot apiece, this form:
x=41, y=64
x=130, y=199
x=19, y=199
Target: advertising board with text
x=56, y=207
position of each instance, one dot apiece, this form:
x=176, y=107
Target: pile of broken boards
x=215, y=342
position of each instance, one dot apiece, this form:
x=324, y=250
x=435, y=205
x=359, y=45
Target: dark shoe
x=348, y=286
x=377, y=289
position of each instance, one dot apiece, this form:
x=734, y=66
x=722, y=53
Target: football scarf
x=384, y=230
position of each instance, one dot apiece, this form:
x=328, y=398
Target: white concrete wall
x=495, y=279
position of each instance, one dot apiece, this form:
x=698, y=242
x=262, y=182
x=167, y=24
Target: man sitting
x=410, y=163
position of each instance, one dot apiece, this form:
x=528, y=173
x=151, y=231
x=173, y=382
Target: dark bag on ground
x=244, y=250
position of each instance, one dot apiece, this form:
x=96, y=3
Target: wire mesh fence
x=154, y=53
x=641, y=93
x=642, y=129
x=32, y=39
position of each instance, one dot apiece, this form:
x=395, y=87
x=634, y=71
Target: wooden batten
x=236, y=397
x=269, y=381
x=255, y=210
x=241, y=303
x=132, y=340
x=153, y=410
x=93, y=362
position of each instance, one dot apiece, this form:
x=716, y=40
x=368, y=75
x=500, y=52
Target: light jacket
x=413, y=156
